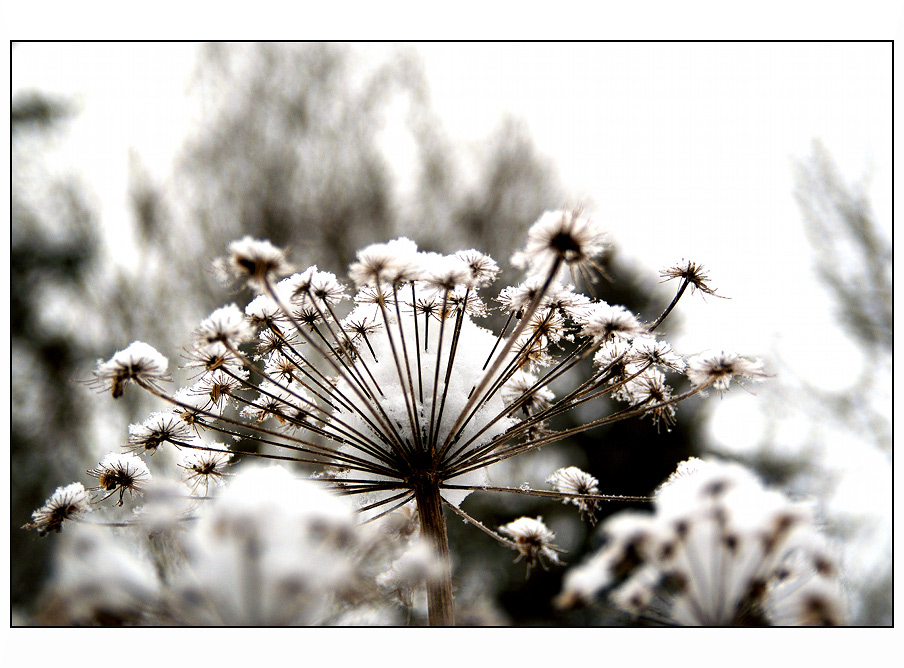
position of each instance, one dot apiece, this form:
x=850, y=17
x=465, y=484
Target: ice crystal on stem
x=397, y=393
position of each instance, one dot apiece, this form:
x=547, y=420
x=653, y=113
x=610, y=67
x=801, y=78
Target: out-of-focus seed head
x=253, y=261
x=720, y=368
x=533, y=540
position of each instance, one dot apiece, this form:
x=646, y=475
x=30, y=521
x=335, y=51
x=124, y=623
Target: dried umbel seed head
x=139, y=363
x=64, y=504
x=524, y=390
x=157, y=429
x=226, y=326
x=121, y=473
x=605, y=322
x=399, y=390
x=516, y=299
x=391, y=263
x=567, y=238
x=572, y=480
x=657, y=353
x=482, y=267
x=253, y=261
x=533, y=540
x=326, y=289
x=203, y=467
x=720, y=368
x=693, y=274
x=445, y=273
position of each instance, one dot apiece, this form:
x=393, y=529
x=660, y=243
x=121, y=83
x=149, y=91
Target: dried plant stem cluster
x=397, y=394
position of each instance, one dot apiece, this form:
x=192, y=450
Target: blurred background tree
x=303, y=145
x=53, y=243
x=833, y=444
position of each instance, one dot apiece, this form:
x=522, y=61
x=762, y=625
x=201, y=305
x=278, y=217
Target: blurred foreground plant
x=397, y=395
x=719, y=551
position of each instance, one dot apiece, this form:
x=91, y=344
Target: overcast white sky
x=686, y=150
x=681, y=150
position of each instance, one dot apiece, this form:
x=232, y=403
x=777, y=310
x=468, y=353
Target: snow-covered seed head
x=572, y=480
x=190, y=407
x=515, y=299
x=282, y=368
x=564, y=236
x=121, y=472
x=719, y=368
x=547, y=325
x=220, y=389
x=532, y=352
x=720, y=550
x=203, y=467
x=533, y=540
x=326, y=289
x=531, y=399
x=658, y=353
x=227, y=326
x=64, y=504
x=615, y=357
x=288, y=405
x=482, y=267
x=139, y=363
x=565, y=301
x=415, y=567
x=211, y=358
x=99, y=579
x=386, y=264
x=157, y=429
x=253, y=261
x=272, y=550
x=604, y=322
x=447, y=272
x=296, y=289
x=262, y=311
x=399, y=394
x=650, y=389
x=463, y=299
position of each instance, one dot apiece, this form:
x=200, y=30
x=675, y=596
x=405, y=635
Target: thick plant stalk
x=433, y=527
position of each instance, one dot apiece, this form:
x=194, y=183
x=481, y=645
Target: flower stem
x=433, y=528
